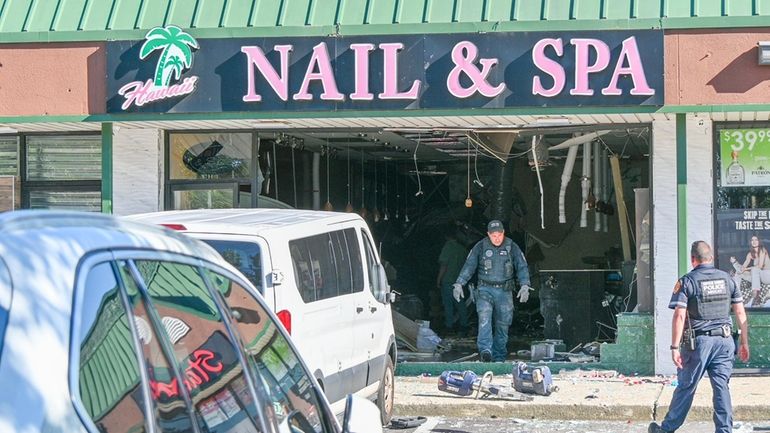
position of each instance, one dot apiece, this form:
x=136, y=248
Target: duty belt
x=493, y=284
x=723, y=331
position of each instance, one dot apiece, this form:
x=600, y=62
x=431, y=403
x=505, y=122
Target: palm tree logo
x=175, y=52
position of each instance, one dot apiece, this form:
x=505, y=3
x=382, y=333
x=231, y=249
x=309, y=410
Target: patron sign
x=442, y=71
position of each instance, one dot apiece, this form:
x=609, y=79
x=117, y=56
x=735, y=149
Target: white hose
x=566, y=175
x=539, y=181
x=585, y=182
x=597, y=186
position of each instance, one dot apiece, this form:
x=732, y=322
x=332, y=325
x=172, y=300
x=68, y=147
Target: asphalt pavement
x=512, y=425
x=583, y=395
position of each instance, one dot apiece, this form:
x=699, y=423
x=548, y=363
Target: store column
x=137, y=171
x=664, y=236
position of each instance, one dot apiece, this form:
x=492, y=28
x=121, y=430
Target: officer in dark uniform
x=702, y=327
x=497, y=259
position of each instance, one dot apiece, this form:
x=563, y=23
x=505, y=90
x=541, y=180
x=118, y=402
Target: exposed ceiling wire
x=417, y=169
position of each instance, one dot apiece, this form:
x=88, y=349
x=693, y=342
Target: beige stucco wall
x=52, y=79
x=715, y=66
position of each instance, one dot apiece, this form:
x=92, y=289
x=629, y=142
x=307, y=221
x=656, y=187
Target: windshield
x=6, y=290
x=245, y=256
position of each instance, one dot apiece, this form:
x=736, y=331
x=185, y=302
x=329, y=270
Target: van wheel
x=386, y=392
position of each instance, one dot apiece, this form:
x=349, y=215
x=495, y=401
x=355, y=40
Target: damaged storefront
x=590, y=137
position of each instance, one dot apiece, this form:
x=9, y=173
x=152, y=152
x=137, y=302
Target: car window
x=295, y=401
x=341, y=259
x=244, y=256
x=371, y=261
x=109, y=377
x=170, y=410
x=303, y=273
x=327, y=265
x=202, y=347
x=355, y=259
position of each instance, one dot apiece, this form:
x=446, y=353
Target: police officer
x=497, y=259
x=702, y=327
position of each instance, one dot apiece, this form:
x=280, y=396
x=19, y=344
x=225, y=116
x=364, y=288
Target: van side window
x=371, y=260
x=327, y=265
x=184, y=314
x=355, y=259
x=110, y=383
x=244, y=256
x=293, y=399
x=342, y=262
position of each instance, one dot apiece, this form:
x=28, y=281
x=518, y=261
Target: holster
x=688, y=340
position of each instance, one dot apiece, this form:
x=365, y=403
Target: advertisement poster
x=743, y=242
x=745, y=155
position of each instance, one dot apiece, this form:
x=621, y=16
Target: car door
x=323, y=323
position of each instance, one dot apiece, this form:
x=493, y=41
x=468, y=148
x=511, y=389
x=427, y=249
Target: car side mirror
x=361, y=416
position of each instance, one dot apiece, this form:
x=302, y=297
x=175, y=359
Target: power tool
x=537, y=380
x=465, y=383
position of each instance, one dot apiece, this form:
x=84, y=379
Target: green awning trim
x=83, y=20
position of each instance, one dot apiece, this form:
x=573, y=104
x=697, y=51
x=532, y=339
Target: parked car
x=321, y=273
x=108, y=325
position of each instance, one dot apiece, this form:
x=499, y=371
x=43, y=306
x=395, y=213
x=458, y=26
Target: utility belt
x=722, y=331
x=688, y=339
x=502, y=284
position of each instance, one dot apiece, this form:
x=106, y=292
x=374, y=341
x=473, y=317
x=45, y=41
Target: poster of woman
x=742, y=235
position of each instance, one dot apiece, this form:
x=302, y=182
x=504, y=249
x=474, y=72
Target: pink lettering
x=196, y=374
x=635, y=69
x=549, y=66
x=582, y=68
x=325, y=74
x=280, y=84
x=464, y=56
x=390, y=72
x=362, y=72
x=138, y=93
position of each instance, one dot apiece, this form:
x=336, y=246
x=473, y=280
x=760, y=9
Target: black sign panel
x=171, y=72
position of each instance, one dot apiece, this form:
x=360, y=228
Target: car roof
x=42, y=251
x=245, y=221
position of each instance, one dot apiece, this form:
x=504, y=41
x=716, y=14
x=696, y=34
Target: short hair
x=701, y=251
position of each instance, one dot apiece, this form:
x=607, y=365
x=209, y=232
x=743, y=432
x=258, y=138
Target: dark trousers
x=714, y=355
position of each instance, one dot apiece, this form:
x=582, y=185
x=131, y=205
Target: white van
x=321, y=274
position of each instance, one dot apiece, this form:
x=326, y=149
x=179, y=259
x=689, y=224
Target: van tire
x=386, y=392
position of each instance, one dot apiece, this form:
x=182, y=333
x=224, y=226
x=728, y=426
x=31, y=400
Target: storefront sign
x=745, y=155
x=441, y=71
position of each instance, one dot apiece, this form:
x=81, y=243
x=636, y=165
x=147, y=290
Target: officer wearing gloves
x=497, y=259
x=701, y=339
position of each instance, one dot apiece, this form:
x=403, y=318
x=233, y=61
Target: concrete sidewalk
x=584, y=395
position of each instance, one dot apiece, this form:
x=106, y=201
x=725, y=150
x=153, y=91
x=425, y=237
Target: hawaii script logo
x=176, y=56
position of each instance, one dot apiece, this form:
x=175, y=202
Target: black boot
x=655, y=428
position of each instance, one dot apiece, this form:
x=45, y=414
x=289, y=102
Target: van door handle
x=372, y=309
x=359, y=309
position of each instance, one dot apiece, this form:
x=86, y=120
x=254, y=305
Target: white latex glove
x=523, y=294
x=457, y=291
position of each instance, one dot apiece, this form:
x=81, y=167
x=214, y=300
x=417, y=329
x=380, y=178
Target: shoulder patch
x=677, y=286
